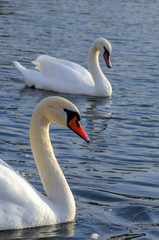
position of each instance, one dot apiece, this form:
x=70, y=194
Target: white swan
x=68, y=77
x=22, y=206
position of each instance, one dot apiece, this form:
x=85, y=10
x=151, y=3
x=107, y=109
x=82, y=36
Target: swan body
x=68, y=77
x=21, y=205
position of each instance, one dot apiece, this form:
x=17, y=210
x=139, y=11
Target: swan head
x=64, y=113
x=104, y=46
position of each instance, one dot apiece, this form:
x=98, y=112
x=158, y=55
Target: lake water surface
x=114, y=178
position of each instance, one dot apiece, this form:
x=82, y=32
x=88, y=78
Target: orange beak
x=107, y=60
x=75, y=125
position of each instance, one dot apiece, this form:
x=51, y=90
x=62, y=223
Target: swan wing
x=45, y=60
x=57, y=75
x=21, y=205
x=62, y=78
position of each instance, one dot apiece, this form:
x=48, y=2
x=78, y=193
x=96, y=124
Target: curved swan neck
x=93, y=62
x=102, y=85
x=51, y=175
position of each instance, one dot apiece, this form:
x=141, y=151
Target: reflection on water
x=61, y=230
x=115, y=177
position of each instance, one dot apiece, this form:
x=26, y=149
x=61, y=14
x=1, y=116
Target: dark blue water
x=115, y=178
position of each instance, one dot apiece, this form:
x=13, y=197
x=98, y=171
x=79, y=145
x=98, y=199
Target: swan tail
x=28, y=75
x=19, y=66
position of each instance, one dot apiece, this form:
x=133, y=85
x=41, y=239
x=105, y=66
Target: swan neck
x=52, y=177
x=93, y=62
x=102, y=85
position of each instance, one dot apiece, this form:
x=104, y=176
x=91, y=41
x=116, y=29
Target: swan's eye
x=106, y=52
x=71, y=115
